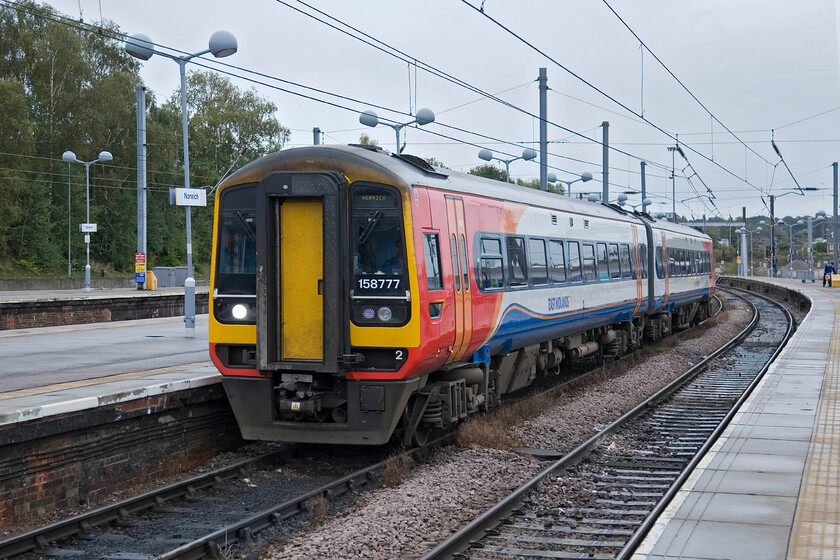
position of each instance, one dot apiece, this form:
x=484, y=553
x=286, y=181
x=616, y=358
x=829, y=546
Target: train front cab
x=310, y=302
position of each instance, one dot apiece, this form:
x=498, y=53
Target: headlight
x=239, y=311
x=384, y=314
x=233, y=310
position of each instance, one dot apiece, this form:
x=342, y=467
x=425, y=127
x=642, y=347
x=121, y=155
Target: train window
x=491, y=246
x=601, y=254
x=237, y=255
x=660, y=263
x=491, y=273
x=588, y=258
x=431, y=249
x=574, y=261
x=539, y=268
x=378, y=243
x=517, y=263
x=466, y=265
x=557, y=260
x=643, y=260
x=378, y=253
x=455, y=272
x=626, y=269
x=615, y=272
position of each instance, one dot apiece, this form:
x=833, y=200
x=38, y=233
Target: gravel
x=457, y=484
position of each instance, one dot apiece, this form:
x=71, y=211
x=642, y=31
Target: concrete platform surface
x=54, y=370
x=769, y=488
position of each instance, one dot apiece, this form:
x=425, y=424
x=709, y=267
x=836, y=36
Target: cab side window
x=430, y=248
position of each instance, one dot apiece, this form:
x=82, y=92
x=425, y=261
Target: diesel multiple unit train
x=359, y=295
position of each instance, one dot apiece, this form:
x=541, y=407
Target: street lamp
x=487, y=155
x=746, y=231
x=622, y=201
x=585, y=176
x=790, y=235
x=221, y=44
x=424, y=117
x=87, y=228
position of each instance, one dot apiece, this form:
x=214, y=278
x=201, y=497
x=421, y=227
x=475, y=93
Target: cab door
x=461, y=276
x=300, y=322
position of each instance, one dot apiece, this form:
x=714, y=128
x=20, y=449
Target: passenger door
x=461, y=276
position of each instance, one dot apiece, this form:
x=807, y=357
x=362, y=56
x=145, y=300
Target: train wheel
x=420, y=437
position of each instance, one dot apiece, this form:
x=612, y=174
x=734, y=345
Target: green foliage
x=490, y=171
x=532, y=184
x=366, y=140
x=69, y=89
x=435, y=162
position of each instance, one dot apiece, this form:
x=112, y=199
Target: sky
x=733, y=76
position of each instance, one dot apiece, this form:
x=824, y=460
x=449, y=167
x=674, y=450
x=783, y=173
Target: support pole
x=644, y=192
x=835, y=241
x=543, y=133
x=189, y=283
x=141, y=174
x=745, y=260
x=605, y=196
x=773, y=236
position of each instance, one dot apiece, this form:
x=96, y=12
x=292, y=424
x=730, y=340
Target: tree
x=490, y=171
x=71, y=87
x=366, y=140
x=435, y=162
x=223, y=119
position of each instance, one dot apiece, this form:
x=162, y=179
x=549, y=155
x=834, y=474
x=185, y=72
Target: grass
x=396, y=470
x=317, y=510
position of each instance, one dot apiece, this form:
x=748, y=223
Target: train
x=360, y=296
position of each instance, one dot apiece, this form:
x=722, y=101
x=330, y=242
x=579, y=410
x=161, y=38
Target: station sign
x=187, y=197
x=140, y=268
x=87, y=228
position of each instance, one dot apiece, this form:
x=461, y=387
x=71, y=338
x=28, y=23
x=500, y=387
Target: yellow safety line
x=98, y=381
x=816, y=526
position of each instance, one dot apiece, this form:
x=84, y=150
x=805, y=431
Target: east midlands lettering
x=561, y=302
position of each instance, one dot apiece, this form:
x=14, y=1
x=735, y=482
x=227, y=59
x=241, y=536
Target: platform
x=56, y=370
x=769, y=487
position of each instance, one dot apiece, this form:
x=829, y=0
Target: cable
x=680, y=81
x=608, y=96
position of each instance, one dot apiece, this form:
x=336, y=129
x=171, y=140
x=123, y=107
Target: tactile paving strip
x=816, y=527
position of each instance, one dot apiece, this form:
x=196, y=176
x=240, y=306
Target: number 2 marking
x=399, y=355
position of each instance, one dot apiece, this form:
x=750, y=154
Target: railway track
x=168, y=514
x=204, y=515
x=599, y=501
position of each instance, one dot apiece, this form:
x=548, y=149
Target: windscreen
x=236, y=259
x=379, y=262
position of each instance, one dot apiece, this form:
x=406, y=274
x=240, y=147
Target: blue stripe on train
x=521, y=327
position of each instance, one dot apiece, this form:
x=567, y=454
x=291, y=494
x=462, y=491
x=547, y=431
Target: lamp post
x=746, y=231
x=221, y=44
x=87, y=228
x=69, y=265
x=622, y=201
x=487, y=155
x=424, y=116
x=585, y=176
x=790, y=234
x=820, y=217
